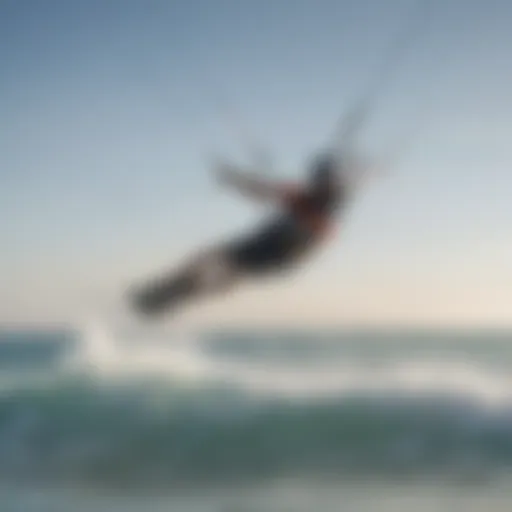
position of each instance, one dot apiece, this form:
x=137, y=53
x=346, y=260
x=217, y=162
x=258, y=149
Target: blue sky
x=110, y=109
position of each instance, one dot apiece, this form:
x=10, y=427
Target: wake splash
x=182, y=359
x=119, y=409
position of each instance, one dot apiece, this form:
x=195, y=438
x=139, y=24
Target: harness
x=315, y=217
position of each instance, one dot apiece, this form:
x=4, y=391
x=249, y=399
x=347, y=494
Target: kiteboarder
x=305, y=218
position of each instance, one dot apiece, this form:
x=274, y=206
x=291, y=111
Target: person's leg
x=212, y=271
x=270, y=250
x=206, y=274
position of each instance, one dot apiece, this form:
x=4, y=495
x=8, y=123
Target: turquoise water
x=94, y=420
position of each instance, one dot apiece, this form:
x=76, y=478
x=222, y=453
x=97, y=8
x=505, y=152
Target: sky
x=111, y=111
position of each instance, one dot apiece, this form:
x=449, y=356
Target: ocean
x=97, y=420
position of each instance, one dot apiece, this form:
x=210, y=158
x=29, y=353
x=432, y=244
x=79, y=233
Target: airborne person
x=306, y=213
x=306, y=216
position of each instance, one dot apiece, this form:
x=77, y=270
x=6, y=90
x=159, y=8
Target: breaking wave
x=116, y=412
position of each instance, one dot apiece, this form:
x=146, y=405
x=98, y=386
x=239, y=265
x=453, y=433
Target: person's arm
x=250, y=185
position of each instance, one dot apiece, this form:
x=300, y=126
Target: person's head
x=325, y=178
